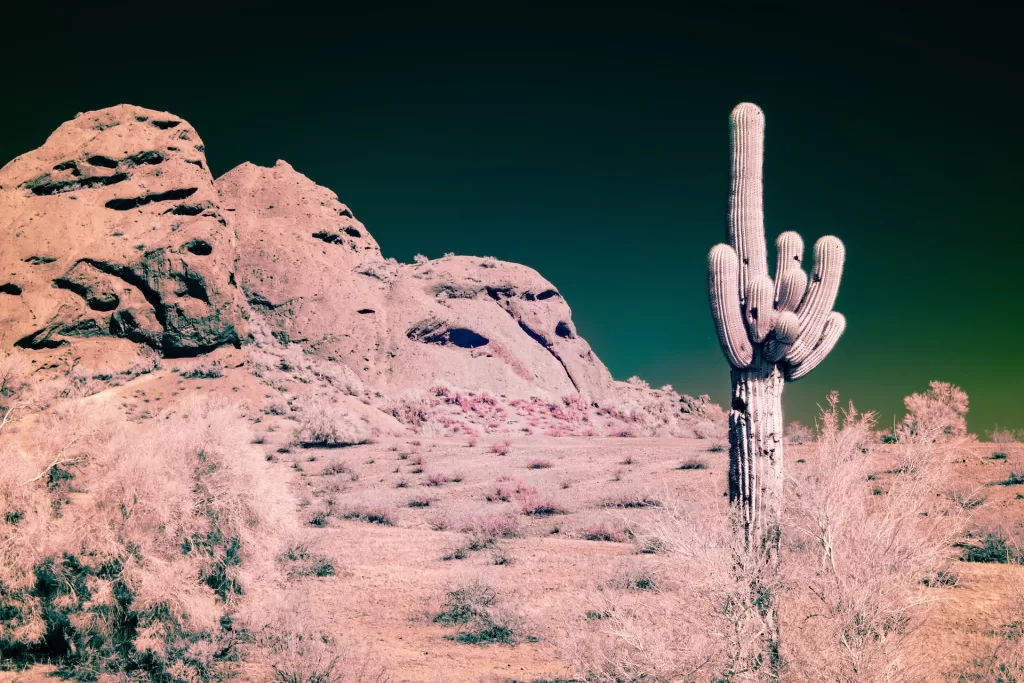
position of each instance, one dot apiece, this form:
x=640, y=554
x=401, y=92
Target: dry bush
x=936, y=415
x=532, y=502
x=294, y=650
x=483, y=529
x=799, y=433
x=501, y=447
x=1003, y=661
x=1004, y=436
x=691, y=631
x=860, y=564
x=327, y=424
x=134, y=545
x=856, y=571
x=375, y=508
x=635, y=409
x=480, y=614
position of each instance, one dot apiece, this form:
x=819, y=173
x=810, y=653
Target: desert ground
x=559, y=527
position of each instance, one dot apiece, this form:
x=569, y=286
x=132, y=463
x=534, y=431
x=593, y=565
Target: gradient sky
x=592, y=145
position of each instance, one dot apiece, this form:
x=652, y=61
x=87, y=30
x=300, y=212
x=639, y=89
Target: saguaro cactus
x=771, y=331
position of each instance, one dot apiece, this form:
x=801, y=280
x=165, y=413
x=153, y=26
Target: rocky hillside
x=115, y=229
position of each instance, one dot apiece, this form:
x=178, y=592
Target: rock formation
x=111, y=228
x=115, y=228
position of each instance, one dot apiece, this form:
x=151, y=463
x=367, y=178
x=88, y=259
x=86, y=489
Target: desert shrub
x=299, y=559
x=869, y=556
x=636, y=577
x=627, y=500
x=210, y=370
x=327, y=424
x=706, y=429
x=799, y=433
x=474, y=607
x=1003, y=660
x=456, y=553
x=500, y=555
x=995, y=547
x=537, y=464
x=1003, y=436
x=483, y=529
x=1013, y=480
x=692, y=465
x=369, y=508
x=501, y=447
x=604, y=530
x=296, y=653
x=854, y=568
x=936, y=415
x=531, y=502
x=159, y=566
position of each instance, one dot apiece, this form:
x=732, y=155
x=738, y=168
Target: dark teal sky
x=592, y=145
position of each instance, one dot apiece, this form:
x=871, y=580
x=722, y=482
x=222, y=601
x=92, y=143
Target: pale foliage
x=937, y=414
x=862, y=554
x=175, y=523
x=327, y=423
x=856, y=566
x=799, y=433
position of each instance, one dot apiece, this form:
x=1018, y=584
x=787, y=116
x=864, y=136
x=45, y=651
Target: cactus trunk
x=755, y=489
x=755, y=452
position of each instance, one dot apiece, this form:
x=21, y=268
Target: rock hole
x=195, y=287
x=194, y=162
x=364, y=311
x=152, y=157
x=44, y=186
x=100, y=160
x=352, y=232
x=345, y=212
x=187, y=210
x=546, y=294
x=499, y=293
x=39, y=340
x=433, y=331
x=164, y=125
x=128, y=203
x=39, y=260
x=199, y=247
x=10, y=288
x=564, y=330
x=329, y=237
x=68, y=166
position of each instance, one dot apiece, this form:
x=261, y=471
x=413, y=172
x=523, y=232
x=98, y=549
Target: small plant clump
x=473, y=608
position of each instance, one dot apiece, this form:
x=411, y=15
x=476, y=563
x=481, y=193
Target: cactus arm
x=790, y=287
x=746, y=207
x=724, y=296
x=834, y=328
x=787, y=327
x=790, y=279
x=829, y=255
x=760, y=309
x=789, y=250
